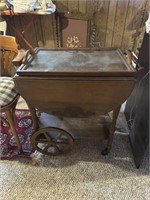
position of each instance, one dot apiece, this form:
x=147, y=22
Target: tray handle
x=29, y=56
x=132, y=59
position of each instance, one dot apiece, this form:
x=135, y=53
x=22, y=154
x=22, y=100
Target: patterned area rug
x=8, y=148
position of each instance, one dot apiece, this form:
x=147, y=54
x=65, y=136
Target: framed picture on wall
x=74, y=33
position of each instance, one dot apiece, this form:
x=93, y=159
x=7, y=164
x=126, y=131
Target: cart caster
x=106, y=151
x=52, y=141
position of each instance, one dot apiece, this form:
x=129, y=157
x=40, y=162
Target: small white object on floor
x=37, y=158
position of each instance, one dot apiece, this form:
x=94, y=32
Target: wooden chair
x=9, y=56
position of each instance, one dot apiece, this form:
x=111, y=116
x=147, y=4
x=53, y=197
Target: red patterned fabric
x=8, y=148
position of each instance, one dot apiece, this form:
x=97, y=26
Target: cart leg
x=34, y=116
x=111, y=131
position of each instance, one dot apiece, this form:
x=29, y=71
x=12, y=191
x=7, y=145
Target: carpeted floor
x=81, y=174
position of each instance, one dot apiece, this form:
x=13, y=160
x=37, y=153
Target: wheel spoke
x=57, y=149
x=57, y=137
x=41, y=141
x=47, y=136
x=45, y=149
x=62, y=142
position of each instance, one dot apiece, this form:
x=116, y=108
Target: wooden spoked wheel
x=52, y=141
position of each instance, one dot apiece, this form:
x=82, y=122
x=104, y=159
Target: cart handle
x=29, y=56
x=132, y=59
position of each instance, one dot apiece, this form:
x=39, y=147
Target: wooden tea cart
x=74, y=83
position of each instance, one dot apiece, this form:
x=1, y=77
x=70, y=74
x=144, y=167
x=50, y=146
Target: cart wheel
x=52, y=141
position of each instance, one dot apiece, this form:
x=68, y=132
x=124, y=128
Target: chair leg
x=13, y=128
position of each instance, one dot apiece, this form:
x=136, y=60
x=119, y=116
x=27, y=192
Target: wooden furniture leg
x=10, y=119
x=111, y=131
x=13, y=128
x=34, y=116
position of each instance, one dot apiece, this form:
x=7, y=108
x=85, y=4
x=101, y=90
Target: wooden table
x=74, y=83
x=21, y=34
